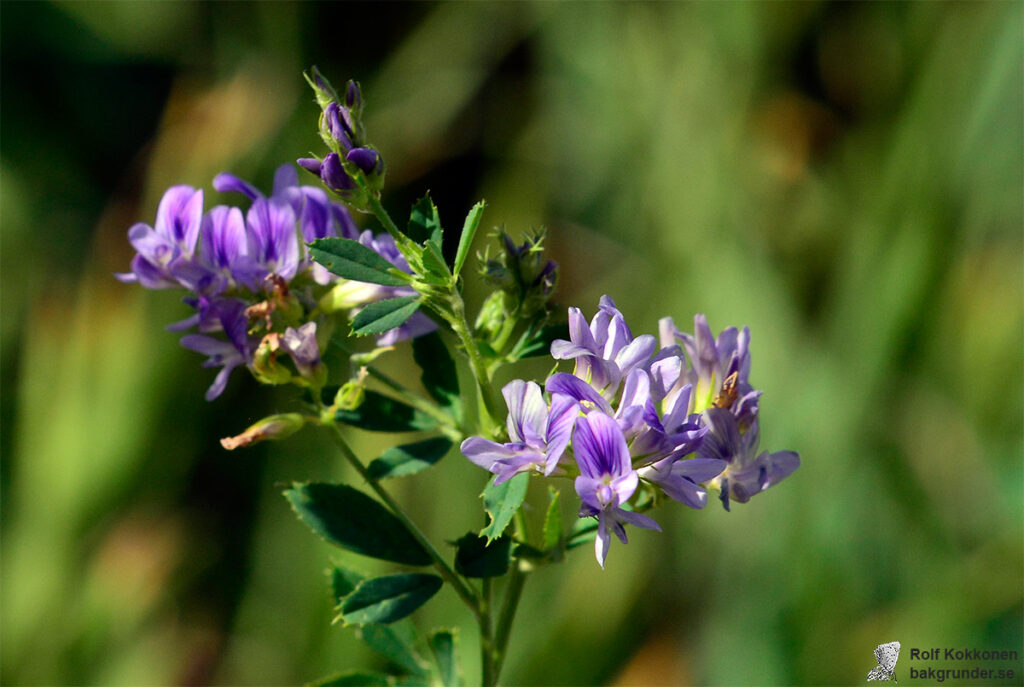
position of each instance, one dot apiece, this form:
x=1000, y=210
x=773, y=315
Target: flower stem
x=488, y=659
x=448, y=426
x=384, y=218
x=461, y=587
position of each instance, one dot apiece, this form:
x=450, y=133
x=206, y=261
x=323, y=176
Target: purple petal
x=363, y=158
x=600, y=447
x=285, y=177
x=566, y=350
x=310, y=164
x=699, y=469
x=179, y=215
x=636, y=352
x=527, y=412
x=223, y=237
x=561, y=421
x=569, y=385
x=602, y=542
x=151, y=276
x=579, y=331
x=637, y=520
x=229, y=183
x=152, y=245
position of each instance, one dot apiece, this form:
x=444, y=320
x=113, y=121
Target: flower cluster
x=255, y=291
x=635, y=421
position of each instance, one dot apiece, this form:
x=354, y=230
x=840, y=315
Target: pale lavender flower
x=301, y=345
x=607, y=480
x=538, y=434
x=719, y=368
x=605, y=351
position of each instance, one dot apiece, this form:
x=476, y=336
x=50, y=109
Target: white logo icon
x=886, y=655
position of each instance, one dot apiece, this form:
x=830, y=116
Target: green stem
x=460, y=326
x=413, y=399
x=511, y=602
x=488, y=662
x=507, y=616
x=384, y=218
x=460, y=586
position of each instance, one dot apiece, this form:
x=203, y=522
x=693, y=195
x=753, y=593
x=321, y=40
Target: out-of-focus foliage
x=843, y=178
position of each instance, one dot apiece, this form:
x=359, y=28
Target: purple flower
x=747, y=473
x=228, y=355
x=607, y=479
x=719, y=368
x=273, y=243
x=301, y=345
x=538, y=434
x=172, y=240
x=605, y=351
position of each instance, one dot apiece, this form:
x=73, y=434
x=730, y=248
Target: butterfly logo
x=886, y=655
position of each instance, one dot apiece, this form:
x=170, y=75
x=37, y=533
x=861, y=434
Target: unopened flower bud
x=351, y=394
x=264, y=361
x=310, y=164
x=353, y=97
x=323, y=89
x=334, y=176
x=365, y=159
x=272, y=427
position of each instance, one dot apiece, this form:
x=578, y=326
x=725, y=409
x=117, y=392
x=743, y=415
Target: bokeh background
x=846, y=179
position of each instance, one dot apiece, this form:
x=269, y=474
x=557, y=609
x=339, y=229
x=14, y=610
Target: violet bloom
x=273, y=243
x=719, y=368
x=607, y=480
x=171, y=241
x=538, y=435
x=228, y=355
x=747, y=472
x=605, y=351
x=301, y=345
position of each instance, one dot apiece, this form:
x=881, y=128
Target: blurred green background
x=846, y=179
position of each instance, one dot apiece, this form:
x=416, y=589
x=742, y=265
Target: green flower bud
x=273, y=427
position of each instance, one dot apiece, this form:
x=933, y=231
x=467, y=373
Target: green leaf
x=424, y=222
x=501, y=503
x=476, y=557
x=348, y=518
x=360, y=678
x=395, y=648
x=468, y=232
x=582, y=531
x=389, y=598
x=433, y=262
x=439, y=377
x=380, y=413
x=382, y=316
x=343, y=581
x=409, y=459
x=352, y=260
x=443, y=645
x=533, y=344
x=553, y=521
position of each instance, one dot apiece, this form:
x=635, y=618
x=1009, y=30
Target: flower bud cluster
x=259, y=299
x=524, y=281
x=638, y=420
x=352, y=167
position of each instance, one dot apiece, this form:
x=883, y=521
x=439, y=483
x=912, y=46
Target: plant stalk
x=460, y=586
